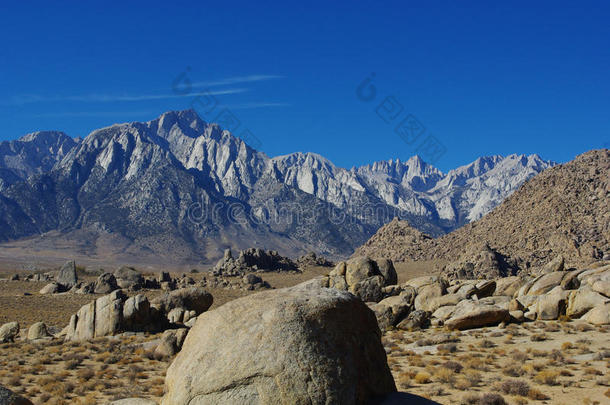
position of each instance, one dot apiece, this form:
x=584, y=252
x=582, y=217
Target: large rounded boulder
x=298, y=345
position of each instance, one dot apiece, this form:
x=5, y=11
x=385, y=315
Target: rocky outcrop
x=38, y=330
x=311, y=259
x=9, y=331
x=171, y=343
x=290, y=346
x=112, y=314
x=105, y=284
x=129, y=278
x=470, y=314
x=67, y=275
x=190, y=299
x=363, y=277
x=251, y=260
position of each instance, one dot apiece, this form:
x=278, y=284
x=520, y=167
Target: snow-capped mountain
x=32, y=154
x=179, y=187
x=447, y=201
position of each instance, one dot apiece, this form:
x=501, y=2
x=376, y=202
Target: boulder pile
x=551, y=293
x=252, y=260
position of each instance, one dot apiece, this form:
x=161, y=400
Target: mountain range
x=179, y=189
x=564, y=211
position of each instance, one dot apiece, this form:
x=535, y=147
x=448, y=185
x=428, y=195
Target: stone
x=8, y=397
x=570, y=281
x=435, y=303
x=67, y=275
x=138, y=315
x=338, y=282
x=133, y=401
x=602, y=287
x=164, y=277
x=175, y=315
x=387, y=270
x=129, y=278
x=190, y=298
x=415, y=320
x=426, y=293
x=105, y=284
x=599, y=315
x=339, y=269
x=8, y=332
x=83, y=288
x=251, y=279
x=508, y=285
x=515, y=305
x=485, y=288
x=298, y=345
x=551, y=305
x=583, y=300
x=546, y=283
x=391, y=310
x=444, y=313
x=557, y=264
x=51, y=288
x=418, y=282
x=14, y=277
x=369, y=289
x=469, y=314
x=517, y=316
x=111, y=314
x=38, y=331
x=359, y=269
x=171, y=343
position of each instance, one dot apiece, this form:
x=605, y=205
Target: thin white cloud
x=237, y=80
x=92, y=114
x=88, y=98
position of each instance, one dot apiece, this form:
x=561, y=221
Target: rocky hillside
x=34, y=153
x=563, y=211
x=178, y=186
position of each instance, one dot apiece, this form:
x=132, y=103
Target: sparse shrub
x=492, y=399
x=538, y=337
x=470, y=399
x=536, y=395
x=453, y=366
x=444, y=375
x=515, y=387
x=422, y=377
x=548, y=377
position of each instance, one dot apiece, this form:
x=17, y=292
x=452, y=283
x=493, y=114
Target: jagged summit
x=564, y=210
x=137, y=183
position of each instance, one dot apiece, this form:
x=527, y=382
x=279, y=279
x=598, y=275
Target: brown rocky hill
x=565, y=211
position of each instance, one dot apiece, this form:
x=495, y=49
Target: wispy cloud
x=237, y=80
x=89, y=98
x=245, y=106
x=92, y=114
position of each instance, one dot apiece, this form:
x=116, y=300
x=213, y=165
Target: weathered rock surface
x=105, y=284
x=363, y=277
x=38, y=331
x=51, y=288
x=191, y=298
x=67, y=275
x=251, y=260
x=171, y=343
x=470, y=314
x=299, y=345
x=111, y=314
x=9, y=331
x=129, y=278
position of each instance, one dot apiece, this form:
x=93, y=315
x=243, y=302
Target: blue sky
x=481, y=78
